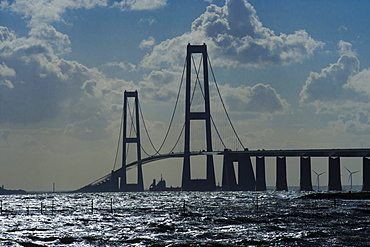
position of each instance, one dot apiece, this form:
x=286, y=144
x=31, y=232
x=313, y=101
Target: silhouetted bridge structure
x=250, y=182
x=246, y=178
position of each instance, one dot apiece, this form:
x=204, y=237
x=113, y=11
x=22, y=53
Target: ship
x=161, y=186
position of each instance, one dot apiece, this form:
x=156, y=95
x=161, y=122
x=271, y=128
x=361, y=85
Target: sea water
x=182, y=219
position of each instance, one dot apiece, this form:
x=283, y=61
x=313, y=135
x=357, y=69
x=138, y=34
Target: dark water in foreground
x=159, y=219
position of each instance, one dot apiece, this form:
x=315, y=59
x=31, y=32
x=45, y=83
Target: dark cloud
x=36, y=86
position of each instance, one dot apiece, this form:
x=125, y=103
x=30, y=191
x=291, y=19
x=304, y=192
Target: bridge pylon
x=188, y=183
x=127, y=139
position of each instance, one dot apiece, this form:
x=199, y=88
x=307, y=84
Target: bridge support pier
x=114, y=182
x=334, y=174
x=246, y=180
x=228, y=173
x=366, y=174
x=305, y=172
x=260, y=173
x=246, y=177
x=281, y=179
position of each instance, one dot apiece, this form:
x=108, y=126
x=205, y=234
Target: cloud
x=160, y=85
x=90, y=128
x=6, y=72
x=360, y=83
x=113, y=68
x=328, y=85
x=147, y=43
x=259, y=98
x=53, y=91
x=50, y=35
x=235, y=37
x=150, y=21
x=353, y=123
x=138, y=5
x=40, y=14
x=5, y=34
x=47, y=11
x=345, y=48
x=341, y=85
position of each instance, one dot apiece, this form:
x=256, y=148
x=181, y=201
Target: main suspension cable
x=204, y=97
x=135, y=129
x=183, y=126
x=172, y=117
x=223, y=104
x=119, y=139
x=174, y=110
x=146, y=130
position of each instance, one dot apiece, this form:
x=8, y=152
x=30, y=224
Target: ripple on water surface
x=182, y=218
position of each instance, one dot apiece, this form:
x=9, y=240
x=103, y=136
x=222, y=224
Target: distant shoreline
x=12, y=192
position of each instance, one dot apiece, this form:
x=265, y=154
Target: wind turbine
x=318, y=179
x=350, y=175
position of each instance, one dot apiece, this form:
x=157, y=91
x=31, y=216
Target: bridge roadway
x=255, y=153
x=265, y=153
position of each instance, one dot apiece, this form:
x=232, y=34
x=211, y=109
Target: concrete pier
x=334, y=174
x=366, y=173
x=228, y=173
x=281, y=178
x=246, y=179
x=260, y=173
x=305, y=174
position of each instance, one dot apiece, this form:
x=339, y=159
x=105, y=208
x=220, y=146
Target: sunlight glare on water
x=182, y=218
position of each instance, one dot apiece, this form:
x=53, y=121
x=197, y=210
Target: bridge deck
x=257, y=153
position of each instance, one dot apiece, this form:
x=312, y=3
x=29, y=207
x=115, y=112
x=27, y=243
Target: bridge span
x=255, y=180
x=248, y=179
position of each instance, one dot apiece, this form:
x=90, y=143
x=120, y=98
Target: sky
x=292, y=74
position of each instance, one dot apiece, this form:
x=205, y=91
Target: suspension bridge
x=198, y=110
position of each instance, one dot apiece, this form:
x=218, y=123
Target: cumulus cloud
x=116, y=68
x=360, y=83
x=40, y=14
x=160, y=85
x=54, y=91
x=41, y=11
x=353, y=123
x=5, y=71
x=341, y=85
x=345, y=48
x=328, y=85
x=147, y=43
x=236, y=37
x=259, y=98
x=137, y=5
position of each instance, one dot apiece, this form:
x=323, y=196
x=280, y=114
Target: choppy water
x=160, y=219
